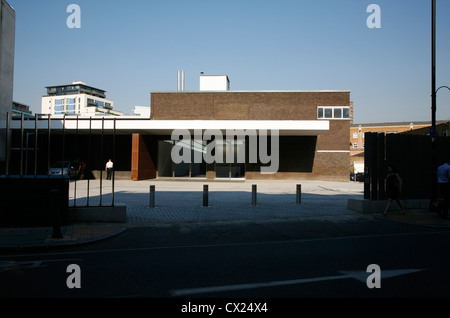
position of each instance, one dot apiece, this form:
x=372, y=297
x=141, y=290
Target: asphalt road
x=323, y=258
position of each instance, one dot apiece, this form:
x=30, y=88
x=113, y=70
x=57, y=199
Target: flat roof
x=165, y=127
x=403, y=123
x=256, y=91
x=77, y=84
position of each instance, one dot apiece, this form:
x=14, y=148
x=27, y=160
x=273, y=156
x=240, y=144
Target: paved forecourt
x=182, y=201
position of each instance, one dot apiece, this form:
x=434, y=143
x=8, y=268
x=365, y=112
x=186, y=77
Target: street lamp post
x=433, y=106
x=443, y=87
x=434, y=194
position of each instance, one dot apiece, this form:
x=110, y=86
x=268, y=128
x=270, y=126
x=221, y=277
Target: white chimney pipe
x=182, y=81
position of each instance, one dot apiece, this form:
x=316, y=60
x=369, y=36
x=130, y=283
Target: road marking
x=13, y=265
x=358, y=275
x=137, y=249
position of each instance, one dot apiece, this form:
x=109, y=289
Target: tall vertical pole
x=79, y=161
x=433, y=103
x=101, y=156
x=35, y=143
x=113, y=159
x=89, y=163
x=8, y=145
x=49, y=128
x=21, y=145
x=433, y=69
x=63, y=145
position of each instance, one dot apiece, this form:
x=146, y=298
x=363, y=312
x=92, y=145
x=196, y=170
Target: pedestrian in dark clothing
x=443, y=179
x=393, y=189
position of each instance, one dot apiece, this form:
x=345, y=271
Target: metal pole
x=26, y=153
x=8, y=136
x=205, y=195
x=253, y=194
x=113, y=159
x=63, y=145
x=299, y=194
x=88, y=159
x=101, y=156
x=79, y=161
x=152, y=196
x=433, y=68
x=35, y=143
x=48, y=144
x=21, y=145
x=433, y=103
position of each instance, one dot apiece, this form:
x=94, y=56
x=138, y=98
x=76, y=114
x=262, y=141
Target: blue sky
x=130, y=48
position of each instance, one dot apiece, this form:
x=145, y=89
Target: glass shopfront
x=197, y=167
x=236, y=167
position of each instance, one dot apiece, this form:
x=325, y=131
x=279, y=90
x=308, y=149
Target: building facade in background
x=7, y=45
x=357, y=140
x=284, y=135
x=77, y=99
x=18, y=109
x=313, y=129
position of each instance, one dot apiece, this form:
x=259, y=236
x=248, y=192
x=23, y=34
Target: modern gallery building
x=213, y=134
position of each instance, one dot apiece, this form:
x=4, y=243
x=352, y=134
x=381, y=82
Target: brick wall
x=298, y=155
x=243, y=105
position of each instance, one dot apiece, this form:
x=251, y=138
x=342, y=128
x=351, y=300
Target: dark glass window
x=337, y=113
x=346, y=112
x=320, y=112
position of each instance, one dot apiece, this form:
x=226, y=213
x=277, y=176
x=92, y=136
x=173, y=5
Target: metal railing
x=47, y=130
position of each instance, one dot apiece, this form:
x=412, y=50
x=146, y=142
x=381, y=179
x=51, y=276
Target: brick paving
x=181, y=201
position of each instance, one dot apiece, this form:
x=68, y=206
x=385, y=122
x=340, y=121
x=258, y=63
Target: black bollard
x=254, y=194
x=55, y=206
x=299, y=194
x=205, y=195
x=152, y=196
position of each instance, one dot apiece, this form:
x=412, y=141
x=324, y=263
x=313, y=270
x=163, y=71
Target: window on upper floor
x=333, y=112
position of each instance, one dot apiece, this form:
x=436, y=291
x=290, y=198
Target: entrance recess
x=168, y=169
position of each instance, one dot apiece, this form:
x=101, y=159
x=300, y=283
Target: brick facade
x=243, y=105
x=324, y=157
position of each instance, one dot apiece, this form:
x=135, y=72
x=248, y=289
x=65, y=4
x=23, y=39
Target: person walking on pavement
x=109, y=167
x=393, y=189
x=443, y=179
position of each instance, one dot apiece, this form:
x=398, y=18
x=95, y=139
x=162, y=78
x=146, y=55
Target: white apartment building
x=77, y=99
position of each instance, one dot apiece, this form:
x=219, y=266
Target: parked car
x=58, y=168
x=66, y=168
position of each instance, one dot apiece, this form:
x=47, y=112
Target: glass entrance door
x=233, y=170
x=168, y=169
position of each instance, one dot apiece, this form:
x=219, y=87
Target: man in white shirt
x=443, y=179
x=109, y=168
